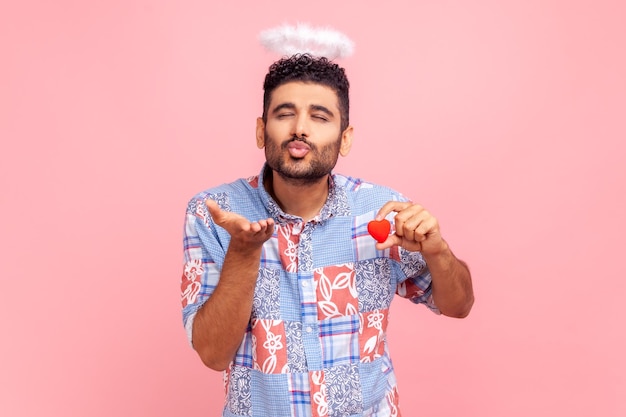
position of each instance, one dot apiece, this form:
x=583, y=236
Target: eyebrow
x=282, y=106
x=312, y=107
x=317, y=107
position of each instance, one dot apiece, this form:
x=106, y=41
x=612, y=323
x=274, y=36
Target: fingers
x=253, y=234
x=415, y=223
x=414, y=226
x=239, y=227
x=263, y=227
x=390, y=206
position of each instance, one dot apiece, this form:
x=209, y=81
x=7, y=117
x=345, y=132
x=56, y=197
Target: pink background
x=507, y=119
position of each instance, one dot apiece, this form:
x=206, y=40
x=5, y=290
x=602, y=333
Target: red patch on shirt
x=336, y=291
x=270, y=352
x=371, y=334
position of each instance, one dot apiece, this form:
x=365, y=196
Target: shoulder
x=360, y=188
x=225, y=193
x=364, y=196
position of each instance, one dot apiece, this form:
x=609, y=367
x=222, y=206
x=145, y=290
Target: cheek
x=276, y=129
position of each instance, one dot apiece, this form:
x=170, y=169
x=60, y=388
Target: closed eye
x=321, y=113
x=284, y=110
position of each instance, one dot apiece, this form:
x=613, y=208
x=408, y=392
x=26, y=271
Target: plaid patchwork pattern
x=270, y=258
x=340, y=340
x=245, y=354
x=316, y=341
x=299, y=394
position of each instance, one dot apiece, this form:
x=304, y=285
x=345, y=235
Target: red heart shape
x=379, y=229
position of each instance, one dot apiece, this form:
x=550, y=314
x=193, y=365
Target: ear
x=260, y=133
x=346, y=141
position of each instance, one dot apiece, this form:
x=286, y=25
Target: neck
x=302, y=199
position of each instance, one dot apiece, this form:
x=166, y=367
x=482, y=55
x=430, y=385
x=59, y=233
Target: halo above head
x=321, y=42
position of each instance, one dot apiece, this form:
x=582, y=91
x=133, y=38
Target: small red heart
x=379, y=229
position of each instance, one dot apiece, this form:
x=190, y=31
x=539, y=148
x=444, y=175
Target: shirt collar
x=336, y=204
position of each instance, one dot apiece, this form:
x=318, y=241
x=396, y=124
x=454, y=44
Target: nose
x=301, y=127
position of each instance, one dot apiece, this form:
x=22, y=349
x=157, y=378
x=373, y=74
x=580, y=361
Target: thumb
x=214, y=209
x=392, y=240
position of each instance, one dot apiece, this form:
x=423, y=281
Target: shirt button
x=305, y=283
x=309, y=329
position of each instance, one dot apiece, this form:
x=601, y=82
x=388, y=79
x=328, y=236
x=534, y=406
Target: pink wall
x=506, y=119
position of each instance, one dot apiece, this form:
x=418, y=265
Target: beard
x=301, y=171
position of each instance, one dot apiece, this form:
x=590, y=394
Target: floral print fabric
x=316, y=343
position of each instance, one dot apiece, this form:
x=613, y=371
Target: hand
x=416, y=229
x=245, y=235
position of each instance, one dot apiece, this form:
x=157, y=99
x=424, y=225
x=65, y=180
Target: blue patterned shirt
x=316, y=342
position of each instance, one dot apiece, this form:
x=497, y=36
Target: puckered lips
x=298, y=149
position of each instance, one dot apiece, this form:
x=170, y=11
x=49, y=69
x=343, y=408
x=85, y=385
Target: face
x=302, y=135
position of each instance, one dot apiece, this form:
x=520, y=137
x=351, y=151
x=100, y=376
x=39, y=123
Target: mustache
x=297, y=138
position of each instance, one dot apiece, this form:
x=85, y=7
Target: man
x=283, y=288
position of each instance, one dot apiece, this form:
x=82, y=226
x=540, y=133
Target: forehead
x=304, y=94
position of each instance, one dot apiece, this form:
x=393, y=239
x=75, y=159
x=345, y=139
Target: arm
x=417, y=230
x=220, y=324
x=452, y=283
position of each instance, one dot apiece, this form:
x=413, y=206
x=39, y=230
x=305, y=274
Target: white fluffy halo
x=290, y=40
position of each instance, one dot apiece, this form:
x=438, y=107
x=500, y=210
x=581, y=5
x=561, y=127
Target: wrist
x=433, y=252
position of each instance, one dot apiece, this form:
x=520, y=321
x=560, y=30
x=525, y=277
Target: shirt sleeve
x=417, y=286
x=203, y=259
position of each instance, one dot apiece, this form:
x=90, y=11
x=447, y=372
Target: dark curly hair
x=306, y=68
